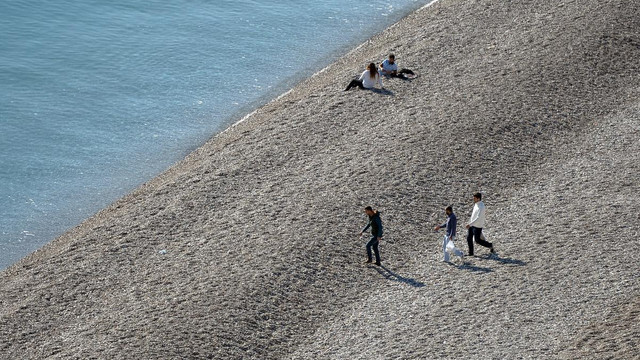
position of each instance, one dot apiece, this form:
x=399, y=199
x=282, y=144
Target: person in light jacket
x=368, y=79
x=389, y=67
x=476, y=223
x=375, y=223
x=449, y=236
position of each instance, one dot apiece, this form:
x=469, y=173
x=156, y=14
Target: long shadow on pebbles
x=492, y=257
x=390, y=275
x=472, y=268
x=383, y=92
x=501, y=260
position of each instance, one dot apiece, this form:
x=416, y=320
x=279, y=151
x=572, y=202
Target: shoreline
x=243, y=112
x=319, y=72
x=246, y=248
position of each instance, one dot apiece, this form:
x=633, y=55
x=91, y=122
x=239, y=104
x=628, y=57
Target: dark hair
x=391, y=56
x=477, y=195
x=369, y=208
x=372, y=70
x=449, y=208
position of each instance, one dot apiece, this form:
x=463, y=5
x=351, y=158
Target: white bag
x=450, y=244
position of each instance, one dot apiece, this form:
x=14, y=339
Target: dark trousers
x=475, y=232
x=400, y=74
x=373, y=243
x=353, y=83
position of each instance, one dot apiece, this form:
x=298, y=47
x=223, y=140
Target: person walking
x=367, y=80
x=448, y=244
x=475, y=225
x=375, y=223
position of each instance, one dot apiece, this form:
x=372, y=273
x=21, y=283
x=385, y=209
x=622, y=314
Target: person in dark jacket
x=375, y=223
x=447, y=243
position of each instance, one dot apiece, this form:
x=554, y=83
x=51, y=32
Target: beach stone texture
x=249, y=248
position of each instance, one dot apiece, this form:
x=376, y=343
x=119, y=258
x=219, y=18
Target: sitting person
x=390, y=68
x=368, y=79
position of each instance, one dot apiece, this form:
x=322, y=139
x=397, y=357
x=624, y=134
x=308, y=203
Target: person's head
x=372, y=70
x=477, y=197
x=448, y=210
x=392, y=58
x=369, y=211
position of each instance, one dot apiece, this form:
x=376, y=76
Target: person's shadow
x=472, y=268
x=493, y=257
x=383, y=91
x=504, y=261
x=390, y=275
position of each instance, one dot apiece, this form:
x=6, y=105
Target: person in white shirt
x=368, y=79
x=476, y=223
x=390, y=68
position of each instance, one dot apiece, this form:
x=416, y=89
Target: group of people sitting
x=373, y=75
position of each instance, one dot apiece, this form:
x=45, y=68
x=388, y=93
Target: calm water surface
x=99, y=96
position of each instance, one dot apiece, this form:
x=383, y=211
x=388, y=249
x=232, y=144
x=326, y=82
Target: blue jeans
x=373, y=243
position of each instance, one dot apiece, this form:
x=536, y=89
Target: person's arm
x=394, y=69
x=475, y=214
x=383, y=71
x=366, y=227
x=362, y=76
x=441, y=226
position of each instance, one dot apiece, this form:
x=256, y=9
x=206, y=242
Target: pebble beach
x=249, y=247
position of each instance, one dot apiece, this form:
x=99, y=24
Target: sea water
x=98, y=96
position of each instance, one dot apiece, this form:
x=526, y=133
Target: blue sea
x=97, y=96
